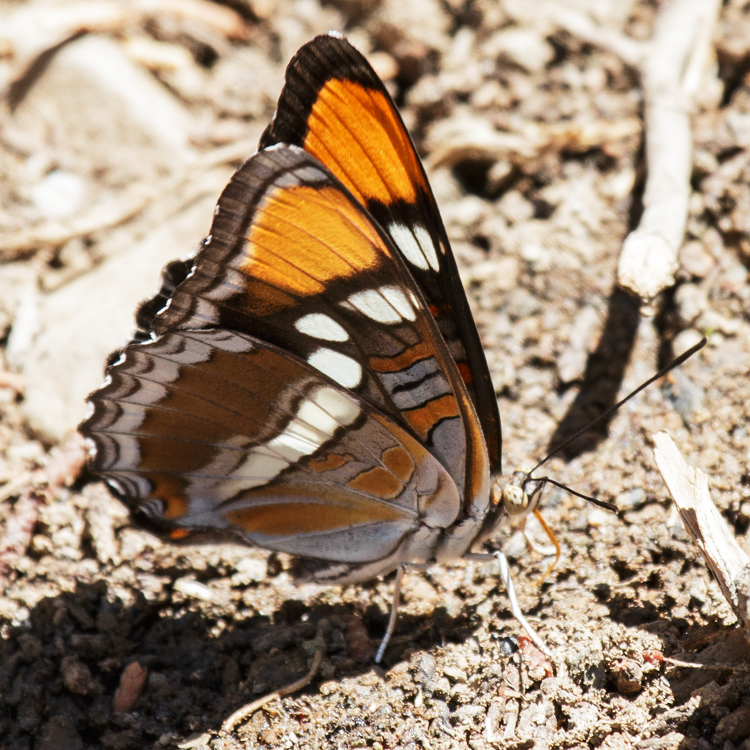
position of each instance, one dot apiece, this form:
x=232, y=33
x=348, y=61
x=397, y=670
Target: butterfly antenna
x=594, y=501
x=664, y=370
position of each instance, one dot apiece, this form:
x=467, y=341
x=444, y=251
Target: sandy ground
x=105, y=177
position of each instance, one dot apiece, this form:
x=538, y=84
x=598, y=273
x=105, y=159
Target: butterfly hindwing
x=215, y=430
x=335, y=107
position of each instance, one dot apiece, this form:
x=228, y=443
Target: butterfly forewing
x=294, y=260
x=335, y=107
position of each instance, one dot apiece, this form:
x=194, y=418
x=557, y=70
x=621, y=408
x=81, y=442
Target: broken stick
x=703, y=522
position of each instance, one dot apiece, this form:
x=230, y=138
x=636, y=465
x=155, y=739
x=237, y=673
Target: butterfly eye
x=515, y=500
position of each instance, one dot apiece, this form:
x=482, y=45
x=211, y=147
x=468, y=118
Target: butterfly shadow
x=60, y=671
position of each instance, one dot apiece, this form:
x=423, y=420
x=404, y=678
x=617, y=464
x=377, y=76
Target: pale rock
x=523, y=47
x=696, y=260
x=59, y=194
x=690, y=300
x=79, y=324
x=105, y=113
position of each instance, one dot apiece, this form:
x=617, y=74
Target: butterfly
x=312, y=380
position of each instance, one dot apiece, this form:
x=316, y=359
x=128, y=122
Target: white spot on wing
x=314, y=424
x=385, y=305
x=116, y=485
x=291, y=444
x=321, y=326
x=428, y=247
x=408, y=246
x=415, y=245
x=90, y=444
x=259, y=468
x=344, y=370
x=341, y=408
x=399, y=300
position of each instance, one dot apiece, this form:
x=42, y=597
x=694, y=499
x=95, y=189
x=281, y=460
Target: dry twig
x=31, y=32
x=726, y=559
x=466, y=137
x=671, y=67
x=241, y=714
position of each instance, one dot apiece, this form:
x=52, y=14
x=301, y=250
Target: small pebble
x=132, y=680
x=525, y=48
x=194, y=589
x=249, y=569
x=514, y=207
x=690, y=301
x=684, y=340
x=628, y=676
x=631, y=499
x=76, y=676
x=598, y=517
x=443, y=687
x=59, y=195
x=735, y=726
x=159, y=682
x=696, y=260
x=651, y=656
x=455, y=674
x=383, y=64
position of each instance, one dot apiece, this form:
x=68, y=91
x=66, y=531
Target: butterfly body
x=312, y=381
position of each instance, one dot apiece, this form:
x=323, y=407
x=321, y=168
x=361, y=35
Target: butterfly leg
x=395, y=602
x=540, y=484
x=515, y=608
x=553, y=540
x=541, y=549
x=394, y=614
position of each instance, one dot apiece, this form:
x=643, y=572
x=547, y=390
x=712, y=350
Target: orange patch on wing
x=329, y=462
x=301, y=239
x=322, y=510
x=176, y=506
x=401, y=361
x=399, y=462
x=357, y=134
x=178, y=534
x=426, y=417
x=377, y=482
x=170, y=490
x=464, y=371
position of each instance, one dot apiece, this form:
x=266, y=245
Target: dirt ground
x=534, y=146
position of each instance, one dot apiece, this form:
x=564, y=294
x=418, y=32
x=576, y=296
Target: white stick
x=672, y=66
x=671, y=70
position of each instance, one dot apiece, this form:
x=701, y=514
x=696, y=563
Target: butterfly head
x=520, y=495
